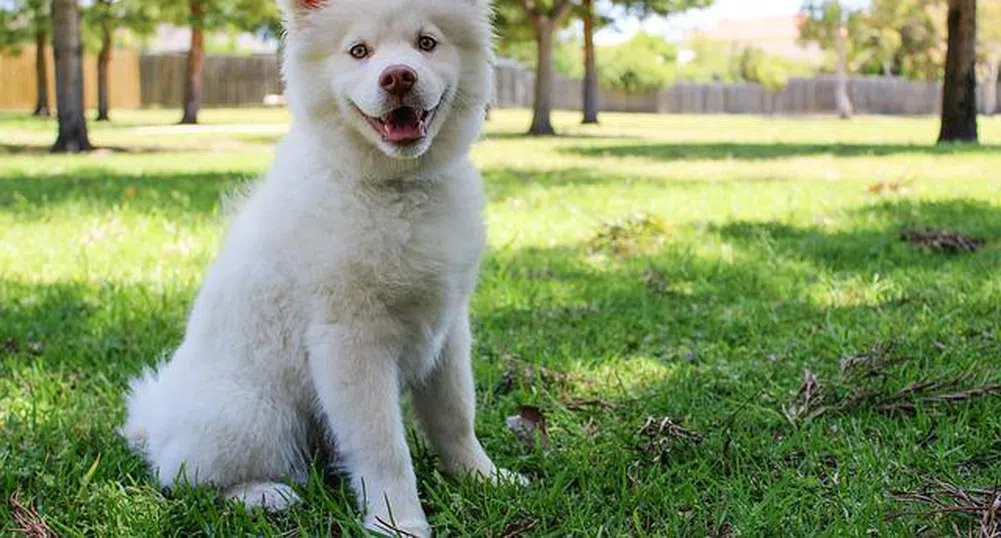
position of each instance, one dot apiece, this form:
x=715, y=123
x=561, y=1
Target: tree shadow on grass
x=719, y=345
x=38, y=150
x=193, y=193
x=502, y=183
x=874, y=243
x=756, y=152
x=589, y=137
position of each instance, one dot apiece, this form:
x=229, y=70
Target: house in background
x=775, y=35
x=170, y=39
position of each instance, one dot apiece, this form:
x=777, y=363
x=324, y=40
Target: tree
x=827, y=24
x=28, y=20
x=543, y=17
x=67, y=47
x=959, y=99
x=209, y=16
x=590, y=85
x=104, y=18
x=638, y=8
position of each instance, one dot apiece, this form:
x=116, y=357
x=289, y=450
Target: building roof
x=775, y=35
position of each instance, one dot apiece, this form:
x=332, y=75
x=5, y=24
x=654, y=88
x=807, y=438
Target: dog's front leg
x=355, y=373
x=445, y=405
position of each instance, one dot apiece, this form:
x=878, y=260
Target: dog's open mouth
x=403, y=125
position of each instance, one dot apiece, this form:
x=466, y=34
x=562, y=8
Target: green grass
x=752, y=249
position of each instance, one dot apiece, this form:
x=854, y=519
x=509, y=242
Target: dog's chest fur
x=410, y=256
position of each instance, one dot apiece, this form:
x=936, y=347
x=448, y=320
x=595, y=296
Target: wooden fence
x=227, y=81
x=236, y=81
x=19, y=87
x=816, y=95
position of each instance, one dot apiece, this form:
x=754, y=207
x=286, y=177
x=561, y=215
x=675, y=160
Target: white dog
x=346, y=274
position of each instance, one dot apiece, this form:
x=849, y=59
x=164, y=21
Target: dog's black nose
x=398, y=79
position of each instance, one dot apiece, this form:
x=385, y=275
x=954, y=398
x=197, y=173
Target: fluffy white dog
x=346, y=275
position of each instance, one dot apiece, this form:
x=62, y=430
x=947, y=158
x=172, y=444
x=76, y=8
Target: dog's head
x=399, y=73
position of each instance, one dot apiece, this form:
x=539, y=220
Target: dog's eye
x=427, y=43
x=359, y=51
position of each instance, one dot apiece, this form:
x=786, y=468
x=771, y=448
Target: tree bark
x=590, y=66
x=196, y=59
x=103, y=59
x=543, y=103
x=68, y=52
x=959, y=98
x=844, y=101
x=41, y=74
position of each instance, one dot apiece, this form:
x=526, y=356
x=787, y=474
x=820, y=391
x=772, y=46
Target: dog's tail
x=138, y=409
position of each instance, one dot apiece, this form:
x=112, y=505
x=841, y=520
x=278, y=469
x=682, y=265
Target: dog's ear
x=296, y=7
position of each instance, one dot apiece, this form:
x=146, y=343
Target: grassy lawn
x=699, y=269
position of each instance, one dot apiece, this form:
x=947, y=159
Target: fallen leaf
x=526, y=423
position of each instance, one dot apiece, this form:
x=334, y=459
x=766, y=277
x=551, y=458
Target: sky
x=675, y=27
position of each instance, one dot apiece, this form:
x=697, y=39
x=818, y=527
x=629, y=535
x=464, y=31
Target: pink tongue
x=403, y=126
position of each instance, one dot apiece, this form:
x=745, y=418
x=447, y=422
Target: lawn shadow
x=503, y=183
x=755, y=151
x=875, y=244
x=37, y=150
x=193, y=193
x=717, y=345
x=521, y=135
x=570, y=304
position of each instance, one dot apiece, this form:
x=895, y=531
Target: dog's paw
x=382, y=526
x=271, y=496
x=504, y=476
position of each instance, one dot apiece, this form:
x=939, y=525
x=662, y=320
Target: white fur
x=345, y=277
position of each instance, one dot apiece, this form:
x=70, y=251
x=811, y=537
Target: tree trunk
x=959, y=98
x=844, y=102
x=103, y=59
x=543, y=104
x=41, y=74
x=68, y=50
x=590, y=66
x=196, y=59
x=991, y=85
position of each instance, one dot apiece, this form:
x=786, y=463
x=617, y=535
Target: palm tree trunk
x=41, y=74
x=68, y=52
x=590, y=66
x=542, y=107
x=196, y=59
x=103, y=59
x=959, y=98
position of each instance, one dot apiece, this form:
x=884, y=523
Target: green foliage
x=138, y=17
x=756, y=67
x=222, y=15
x=643, y=63
x=566, y=55
x=989, y=29
x=20, y=20
x=899, y=37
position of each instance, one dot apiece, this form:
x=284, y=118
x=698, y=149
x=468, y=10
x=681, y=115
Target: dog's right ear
x=293, y=8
